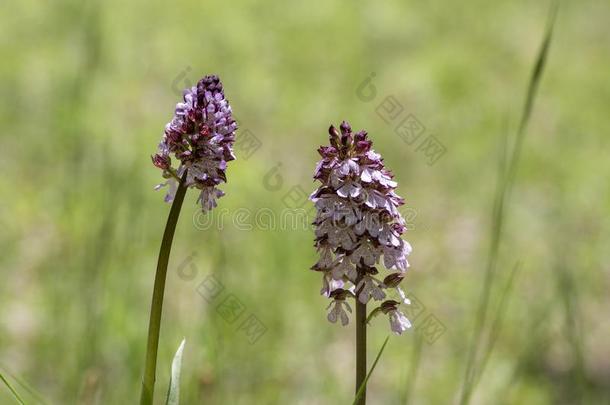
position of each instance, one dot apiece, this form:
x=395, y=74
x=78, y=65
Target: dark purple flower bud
x=389, y=305
x=332, y=131
x=362, y=144
x=393, y=280
x=346, y=135
x=334, y=136
x=161, y=161
x=360, y=136
x=340, y=294
x=345, y=128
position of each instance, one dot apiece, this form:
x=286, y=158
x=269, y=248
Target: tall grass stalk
x=567, y=291
x=156, y=309
x=361, y=389
x=11, y=389
x=360, y=352
x=496, y=324
x=504, y=186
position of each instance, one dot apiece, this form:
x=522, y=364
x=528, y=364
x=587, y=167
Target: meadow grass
x=509, y=161
x=86, y=91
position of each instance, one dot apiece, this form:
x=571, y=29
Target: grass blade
x=366, y=380
x=173, y=392
x=500, y=200
x=497, y=222
x=37, y=396
x=539, y=66
x=496, y=324
x=568, y=292
x=532, y=88
x=11, y=389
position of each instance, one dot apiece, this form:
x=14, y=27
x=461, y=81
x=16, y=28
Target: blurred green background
x=86, y=90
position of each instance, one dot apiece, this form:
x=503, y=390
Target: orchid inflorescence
x=200, y=136
x=357, y=223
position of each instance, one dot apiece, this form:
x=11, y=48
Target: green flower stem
x=360, y=349
x=156, y=308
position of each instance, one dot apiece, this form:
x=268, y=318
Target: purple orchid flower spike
x=358, y=227
x=200, y=137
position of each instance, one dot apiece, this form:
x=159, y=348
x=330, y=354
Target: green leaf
x=366, y=380
x=12, y=390
x=173, y=392
x=373, y=314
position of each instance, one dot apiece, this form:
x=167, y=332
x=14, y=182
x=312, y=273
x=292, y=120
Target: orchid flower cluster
x=200, y=136
x=357, y=223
